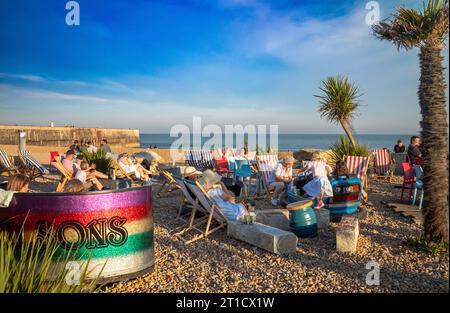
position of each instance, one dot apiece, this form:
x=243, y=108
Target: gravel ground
x=222, y=264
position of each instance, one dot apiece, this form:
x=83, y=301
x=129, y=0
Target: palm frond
x=409, y=28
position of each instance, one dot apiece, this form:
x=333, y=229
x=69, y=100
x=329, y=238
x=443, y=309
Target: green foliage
x=339, y=99
x=102, y=163
x=26, y=263
x=427, y=245
x=409, y=28
x=343, y=147
x=260, y=150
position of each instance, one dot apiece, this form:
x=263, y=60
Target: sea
x=291, y=142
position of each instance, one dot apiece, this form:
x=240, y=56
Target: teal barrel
x=302, y=219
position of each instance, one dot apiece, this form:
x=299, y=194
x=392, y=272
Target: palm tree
x=427, y=30
x=339, y=102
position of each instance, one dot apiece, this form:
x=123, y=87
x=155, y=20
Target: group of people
x=414, y=153
x=90, y=147
x=281, y=180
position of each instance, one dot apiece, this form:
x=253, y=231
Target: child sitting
x=87, y=176
x=319, y=187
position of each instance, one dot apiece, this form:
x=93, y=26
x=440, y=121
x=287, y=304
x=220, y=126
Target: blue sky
x=153, y=64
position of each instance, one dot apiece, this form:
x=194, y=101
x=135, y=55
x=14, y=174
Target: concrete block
x=263, y=236
x=323, y=218
x=275, y=217
x=347, y=234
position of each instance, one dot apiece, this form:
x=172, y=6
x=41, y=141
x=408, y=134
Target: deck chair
x=212, y=214
x=189, y=200
x=194, y=158
x=266, y=168
x=357, y=165
x=207, y=159
x=31, y=166
x=382, y=159
x=7, y=164
x=119, y=172
x=169, y=182
x=65, y=176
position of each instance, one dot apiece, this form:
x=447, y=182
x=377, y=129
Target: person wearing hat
x=320, y=186
x=130, y=168
x=213, y=185
x=191, y=173
x=68, y=162
x=282, y=178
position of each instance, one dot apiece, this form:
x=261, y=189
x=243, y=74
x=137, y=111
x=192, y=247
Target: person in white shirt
x=282, y=177
x=136, y=169
x=225, y=200
x=320, y=186
x=90, y=147
x=87, y=178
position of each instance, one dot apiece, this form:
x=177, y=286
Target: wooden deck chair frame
x=65, y=176
x=213, y=212
x=32, y=172
x=169, y=181
x=7, y=164
x=123, y=173
x=263, y=180
x=378, y=169
x=364, y=183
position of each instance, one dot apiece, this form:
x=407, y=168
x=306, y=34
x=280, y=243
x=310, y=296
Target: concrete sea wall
x=64, y=136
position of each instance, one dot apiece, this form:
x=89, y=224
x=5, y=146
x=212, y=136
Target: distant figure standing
x=414, y=153
x=105, y=147
x=90, y=147
x=399, y=147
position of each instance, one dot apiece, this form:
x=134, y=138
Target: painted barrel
x=302, y=219
x=113, y=228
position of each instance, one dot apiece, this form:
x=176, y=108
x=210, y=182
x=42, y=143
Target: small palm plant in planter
x=344, y=147
x=99, y=158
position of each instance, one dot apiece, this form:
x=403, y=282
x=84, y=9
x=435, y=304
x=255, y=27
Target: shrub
x=102, y=163
x=343, y=147
x=429, y=246
x=26, y=263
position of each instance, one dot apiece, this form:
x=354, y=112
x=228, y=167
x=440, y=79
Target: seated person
x=92, y=168
x=130, y=168
x=18, y=183
x=68, y=162
x=399, y=147
x=74, y=185
x=191, y=173
x=87, y=177
x=320, y=186
x=212, y=183
x=341, y=169
x=282, y=178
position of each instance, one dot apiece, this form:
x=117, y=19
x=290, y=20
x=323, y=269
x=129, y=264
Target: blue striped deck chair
x=207, y=159
x=194, y=158
x=266, y=168
x=32, y=166
x=6, y=164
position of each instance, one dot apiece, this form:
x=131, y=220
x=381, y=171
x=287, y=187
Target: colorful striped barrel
x=113, y=228
x=302, y=219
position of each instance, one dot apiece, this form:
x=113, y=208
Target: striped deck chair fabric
x=382, y=158
x=251, y=155
x=357, y=165
x=194, y=158
x=207, y=159
x=32, y=163
x=266, y=168
x=266, y=165
x=5, y=163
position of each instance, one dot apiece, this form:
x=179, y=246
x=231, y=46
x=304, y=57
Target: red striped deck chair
x=266, y=168
x=357, y=165
x=382, y=159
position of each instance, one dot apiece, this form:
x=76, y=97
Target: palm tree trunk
x=349, y=133
x=435, y=143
